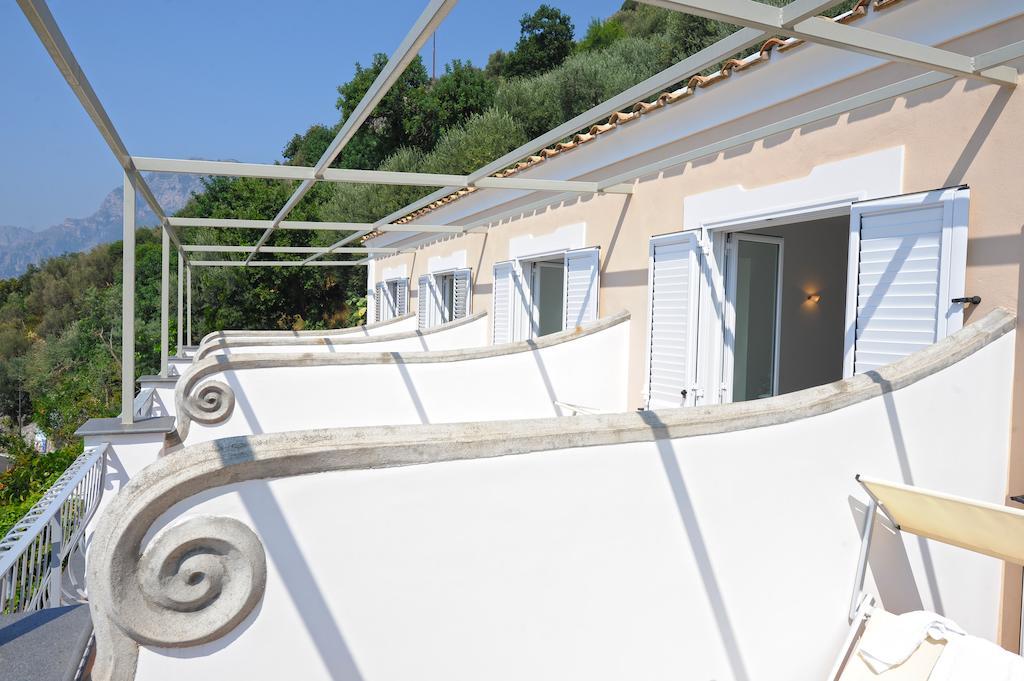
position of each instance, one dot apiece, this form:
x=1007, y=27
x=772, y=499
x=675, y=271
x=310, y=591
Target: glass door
x=753, y=307
x=548, y=296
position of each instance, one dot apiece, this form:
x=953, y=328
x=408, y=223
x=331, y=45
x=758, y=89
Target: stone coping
x=274, y=333
x=131, y=589
x=213, y=401
x=163, y=380
x=113, y=426
x=328, y=338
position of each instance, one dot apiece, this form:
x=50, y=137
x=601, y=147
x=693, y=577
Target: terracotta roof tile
x=763, y=55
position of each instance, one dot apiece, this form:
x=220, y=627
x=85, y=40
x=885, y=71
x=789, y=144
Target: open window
x=852, y=293
x=443, y=297
x=545, y=294
x=391, y=299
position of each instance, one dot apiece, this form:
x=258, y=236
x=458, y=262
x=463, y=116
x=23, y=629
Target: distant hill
x=20, y=247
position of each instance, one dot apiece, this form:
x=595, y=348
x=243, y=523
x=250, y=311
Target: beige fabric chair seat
x=917, y=668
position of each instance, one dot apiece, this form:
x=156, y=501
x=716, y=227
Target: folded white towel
x=885, y=647
x=969, y=658
x=963, y=658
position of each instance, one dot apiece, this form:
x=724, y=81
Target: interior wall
x=812, y=334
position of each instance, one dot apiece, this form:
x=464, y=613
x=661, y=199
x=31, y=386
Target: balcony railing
x=35, y=554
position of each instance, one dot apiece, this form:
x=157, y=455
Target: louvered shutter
x=674, y=286
x=908, y=260
x=383, y=302
x=379, y=302
x=581, y=286
x=423, y=302
x=460, y=295
x=401, y=298
x=501, y=309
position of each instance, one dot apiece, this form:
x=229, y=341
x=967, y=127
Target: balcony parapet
x=330, y=341
x=200, y=397
x=365, y=330
x=201, y=577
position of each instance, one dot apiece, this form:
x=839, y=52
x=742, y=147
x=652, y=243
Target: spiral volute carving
x=195, y=582
x=212, y=402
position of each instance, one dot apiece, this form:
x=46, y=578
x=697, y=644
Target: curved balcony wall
x=702, y=543
x=468, y=332
x=396, y=325
x=268, y=393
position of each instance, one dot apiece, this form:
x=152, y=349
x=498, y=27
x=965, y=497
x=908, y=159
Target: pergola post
x=188, y=285
x=181, y=302
x=165, y=298
x=128, y=305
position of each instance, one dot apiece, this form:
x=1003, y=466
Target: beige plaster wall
x=952, y=134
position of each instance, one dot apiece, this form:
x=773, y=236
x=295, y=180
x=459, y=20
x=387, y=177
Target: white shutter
x=378, y=302
x=674, y=286
x=422, y=301
x=581, y=286
x=385, y=304
x=402, y=298
x=461, y=297
x=501, y=309
x=908, y=260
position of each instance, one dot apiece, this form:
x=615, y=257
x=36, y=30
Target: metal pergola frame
x=799, y=19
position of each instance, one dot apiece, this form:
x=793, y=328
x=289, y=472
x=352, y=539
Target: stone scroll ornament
x=193, y=583
x=209, y=403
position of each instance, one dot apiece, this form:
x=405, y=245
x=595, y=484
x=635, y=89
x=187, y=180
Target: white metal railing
x=35, y=553
x=142, y=407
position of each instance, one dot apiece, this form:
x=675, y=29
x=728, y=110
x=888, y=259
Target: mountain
x=20, y=247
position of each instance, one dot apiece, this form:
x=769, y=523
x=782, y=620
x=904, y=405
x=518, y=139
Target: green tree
x=266, y=297
x=306, y=149
x=545, y=40
x=601, y=34
x=462, y=91
x=385, y=130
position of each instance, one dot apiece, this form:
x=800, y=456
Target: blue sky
x=211, y=79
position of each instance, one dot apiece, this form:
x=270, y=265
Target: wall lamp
x=814, y=298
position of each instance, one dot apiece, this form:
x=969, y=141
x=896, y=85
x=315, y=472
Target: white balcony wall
x=515, y=381
x=396, y=325
x=467, y=333
x=727, y=555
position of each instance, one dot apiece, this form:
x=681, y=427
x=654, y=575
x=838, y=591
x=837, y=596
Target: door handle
x=972, y=300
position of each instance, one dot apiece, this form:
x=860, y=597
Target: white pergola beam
x=826, y=32
x=39, y=16
x=345, y=175
x=229, y=223
x=999, y=56
x=217, y=248
x=424, y=27
x=222, y=168
x=834, y=34
x=277, y=263
x=798, y=10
